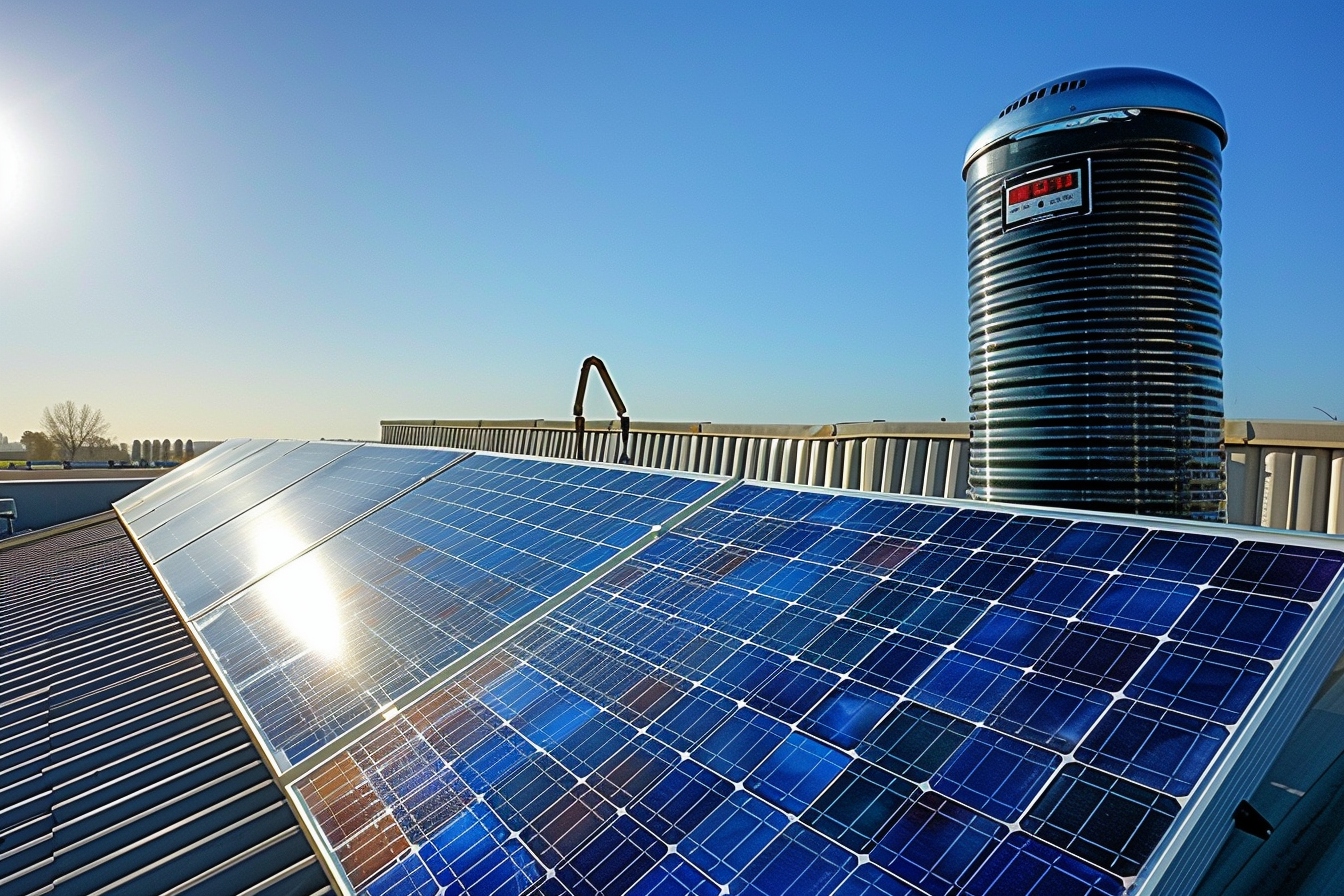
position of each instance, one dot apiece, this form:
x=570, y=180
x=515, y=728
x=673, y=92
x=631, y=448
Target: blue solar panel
x=366, y=616
x=791, y=691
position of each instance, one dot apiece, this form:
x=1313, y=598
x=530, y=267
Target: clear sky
x=290, y=219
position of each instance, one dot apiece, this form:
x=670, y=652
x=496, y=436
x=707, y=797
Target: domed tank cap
x=1099, y=90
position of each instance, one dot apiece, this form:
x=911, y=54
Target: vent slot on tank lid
x=1032, y=97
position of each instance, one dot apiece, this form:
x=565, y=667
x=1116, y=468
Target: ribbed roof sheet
x=122, y=767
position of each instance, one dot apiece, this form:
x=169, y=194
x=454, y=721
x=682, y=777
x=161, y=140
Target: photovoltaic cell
x=793, y=691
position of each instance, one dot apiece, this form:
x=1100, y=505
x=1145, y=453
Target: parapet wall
x=1282, y=474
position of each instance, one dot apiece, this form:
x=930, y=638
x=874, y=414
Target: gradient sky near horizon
x=297, y=219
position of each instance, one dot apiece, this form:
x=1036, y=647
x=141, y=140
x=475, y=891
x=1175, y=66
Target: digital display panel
x=1045, y=194
x=1044, y=186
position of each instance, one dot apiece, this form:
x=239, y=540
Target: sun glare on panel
x=301, y=597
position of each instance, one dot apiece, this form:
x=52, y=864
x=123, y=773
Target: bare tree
x=70, y=428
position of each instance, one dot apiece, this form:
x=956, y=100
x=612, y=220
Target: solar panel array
x=519, y=674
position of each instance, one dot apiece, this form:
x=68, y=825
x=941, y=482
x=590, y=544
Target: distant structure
x=11, y=451
x=135, y=452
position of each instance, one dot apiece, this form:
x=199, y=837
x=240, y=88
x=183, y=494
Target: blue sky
x=296, y=219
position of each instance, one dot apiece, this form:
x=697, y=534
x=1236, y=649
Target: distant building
x=11, y=451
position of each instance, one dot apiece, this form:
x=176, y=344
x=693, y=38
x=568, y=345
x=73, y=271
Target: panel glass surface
x=278, y=529
x=240, y=487
x=337, y=634
x=187, y=475
x=801, y=692
x=202, y=490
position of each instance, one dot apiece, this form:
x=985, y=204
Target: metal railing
x=1282, y=474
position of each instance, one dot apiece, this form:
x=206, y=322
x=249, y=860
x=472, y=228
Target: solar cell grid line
x=329, y=640
x=239, y=489
x=196, y=492
x=285, y=525
x=991, y=749
x=187, y=475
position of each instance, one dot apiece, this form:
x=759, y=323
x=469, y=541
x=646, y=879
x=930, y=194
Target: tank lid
x=1099, y=90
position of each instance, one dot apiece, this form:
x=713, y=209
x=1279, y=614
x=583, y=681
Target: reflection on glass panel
x=418, y=583
x=279, y=528
x=183, y=477
x=241, y=493
x=203, y=491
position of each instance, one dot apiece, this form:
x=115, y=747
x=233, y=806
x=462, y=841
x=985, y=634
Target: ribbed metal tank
x=1094, y=207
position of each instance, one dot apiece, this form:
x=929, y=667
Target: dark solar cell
x=674, y=876
x=995, y=774
x=1157, y=747
x=970, y=528
x=843, y=644
x=1016, y=637
x=915, y=741
x=860, y=805
x=931, y=565
x=1026, y=536
x=1242, y=623
x=1024, y=866
x=987, y=575
x=797, y=772
x=1061, y=590
x=935, y=616
x=1096, y=656
x=1049, y=711
x=732, y=835
x=1101, y=546
x=1114, y=824
x=1280, y=570
x=870, y=880
x=937, y=844
x=1208, y=684
x=792, y=691
x=796, y=863
x=740, y=743
x=897, y=663
x=1179, y=556
x=613, y=860
x=965, y=685
x=848, y=714
x=1149, y=606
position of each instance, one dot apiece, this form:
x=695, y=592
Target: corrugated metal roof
x=123, y=769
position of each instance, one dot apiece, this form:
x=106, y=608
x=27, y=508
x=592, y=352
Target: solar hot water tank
x=1093, y=206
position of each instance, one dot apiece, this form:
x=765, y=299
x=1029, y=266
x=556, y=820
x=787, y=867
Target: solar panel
x=332, y=637
x=241, y=491
x=805, y=691
x=141, y=501
x=199, y=496
x=474, y=682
